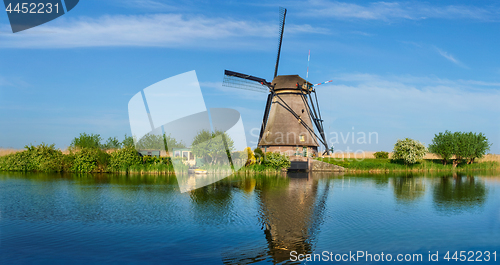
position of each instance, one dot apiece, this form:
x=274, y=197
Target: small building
x=187, y=156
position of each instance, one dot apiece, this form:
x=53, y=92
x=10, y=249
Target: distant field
x=7, y=151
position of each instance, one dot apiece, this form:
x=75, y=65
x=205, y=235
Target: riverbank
x=387, y=165
x=46, y=158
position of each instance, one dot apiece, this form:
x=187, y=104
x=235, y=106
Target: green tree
x=409, y=150
x=444, y=145
x=151, y=141
x=87, y=141
x=171, y=142
x=470, y=146
x=128, y=141
x=158, y=142
x=481, y=144
x=112, y=143
x=212, y=147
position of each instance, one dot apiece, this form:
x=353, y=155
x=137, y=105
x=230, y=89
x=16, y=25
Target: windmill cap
x=288, y=82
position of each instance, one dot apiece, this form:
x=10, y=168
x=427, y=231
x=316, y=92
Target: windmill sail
x=281, y=30
x=290, y=109
x=243, y=81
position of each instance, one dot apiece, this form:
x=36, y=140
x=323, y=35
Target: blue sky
x=400, y=69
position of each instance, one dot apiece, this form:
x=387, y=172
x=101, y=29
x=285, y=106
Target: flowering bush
x=409, y=150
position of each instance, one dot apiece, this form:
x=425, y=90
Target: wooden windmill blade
x=290, y=109
x=244, y=81
x=281, y=31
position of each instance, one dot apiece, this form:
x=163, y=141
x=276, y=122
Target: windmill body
x=286, y=131
x=292, y=116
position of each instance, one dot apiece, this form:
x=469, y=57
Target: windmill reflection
x=459, y=193
x=291, y=210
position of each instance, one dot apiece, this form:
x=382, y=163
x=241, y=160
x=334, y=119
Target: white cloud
x=410, y=106
x=388, y=11
x=450, y=57
x=146, y=5
x=159, y=30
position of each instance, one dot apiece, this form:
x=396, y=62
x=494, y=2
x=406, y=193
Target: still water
x=52, y=218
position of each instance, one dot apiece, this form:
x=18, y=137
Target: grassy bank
x=46, y=158
x=388, y=165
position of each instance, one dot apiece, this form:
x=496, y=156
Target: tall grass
x=372, y=164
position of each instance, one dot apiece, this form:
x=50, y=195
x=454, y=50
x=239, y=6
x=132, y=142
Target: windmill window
x=301, y=138
x=302, y=110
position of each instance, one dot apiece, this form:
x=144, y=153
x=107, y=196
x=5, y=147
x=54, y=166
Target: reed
x=387, y=165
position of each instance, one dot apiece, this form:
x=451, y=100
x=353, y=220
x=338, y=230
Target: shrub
x=90, y=160
x=122, y=159
x=44, y=158
x=259, y=155
x=409, y=151
x=381, y=155
x=276, y=160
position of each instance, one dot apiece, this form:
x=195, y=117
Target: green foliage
x=211, y=146
x=276, y=160
x=112, y=143
x=151, y=141
x=128, y=141
x=122, y=159
x=158, y=142
x=381, y=155
x=90, y=160
x=44, y=158
x=171, y=142
x=87, y=141
x=464, y=146
x=259, y=155
x=409, y=151
x=470, y=146
x=444, y=145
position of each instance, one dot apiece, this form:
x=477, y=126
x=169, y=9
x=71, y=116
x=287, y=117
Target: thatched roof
x=288, y=82
x=283, y=128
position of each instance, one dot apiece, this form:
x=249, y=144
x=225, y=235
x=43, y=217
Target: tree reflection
x=458, y=193
x=408, y=188
x=212, y=204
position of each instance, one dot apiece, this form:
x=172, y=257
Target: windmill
x=292, y=111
